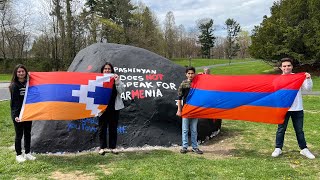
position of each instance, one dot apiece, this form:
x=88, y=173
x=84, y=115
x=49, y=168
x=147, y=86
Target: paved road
x=4, y=91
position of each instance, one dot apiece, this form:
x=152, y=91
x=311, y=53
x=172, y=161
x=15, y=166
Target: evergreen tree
x=206, y=37
x=292, y=30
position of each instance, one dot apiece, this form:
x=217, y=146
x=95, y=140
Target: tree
x=70, y=51
x=206, y=37
x=233, y=29
x=244, y=43
x=115, y=16
x=219, y=48
x=170, y=34
x=58, y=29
x=292, y=30
x=144, y=31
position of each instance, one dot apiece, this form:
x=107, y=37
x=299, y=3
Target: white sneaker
x=20, y=159
x=102, y=152
x=29, y=157
x=307, y=153
x=276, y=152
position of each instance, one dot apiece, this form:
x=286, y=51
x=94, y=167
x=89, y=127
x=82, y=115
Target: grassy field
x=5, y=77
x=206, y=62
x=241, y=151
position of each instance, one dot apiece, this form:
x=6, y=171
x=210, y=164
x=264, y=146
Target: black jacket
x=17, y=90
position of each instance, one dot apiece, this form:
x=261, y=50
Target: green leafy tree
x=115, y=16
x=292, y=30
x=206, y=37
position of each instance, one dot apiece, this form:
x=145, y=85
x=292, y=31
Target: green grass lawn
x=248, y=155
x=316, y=83
x=5, y=77
x=252, y=67
x=206, y=62
x=249, y=159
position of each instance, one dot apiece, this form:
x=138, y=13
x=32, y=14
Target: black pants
x=22, y=128
x=108, y=118
x=297, y=121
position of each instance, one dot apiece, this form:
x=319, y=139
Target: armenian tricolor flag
x=258, y=98
x=65, y=95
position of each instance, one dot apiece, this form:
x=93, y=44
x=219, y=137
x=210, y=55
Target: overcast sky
x=247, y=13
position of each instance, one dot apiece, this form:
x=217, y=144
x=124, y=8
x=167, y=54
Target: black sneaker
x=183, y=150
x=197, y=150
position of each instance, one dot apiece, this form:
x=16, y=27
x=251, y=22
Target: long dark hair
x=15, y=78
x=107, y=63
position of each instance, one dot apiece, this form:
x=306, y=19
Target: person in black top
x=17, y=90
x=110, y=116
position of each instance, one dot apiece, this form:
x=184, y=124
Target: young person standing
x=110, y=116
x=183, y=92
x=17, y=90
x=296, y=114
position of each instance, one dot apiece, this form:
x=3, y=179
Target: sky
x=247, y=13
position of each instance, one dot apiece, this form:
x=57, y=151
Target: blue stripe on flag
x=227, y=100
x=101, y=95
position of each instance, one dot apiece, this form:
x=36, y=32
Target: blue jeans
x=185, y=129
x=297, y=121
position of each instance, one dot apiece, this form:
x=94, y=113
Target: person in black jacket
x=17, y=90
x=110, y=116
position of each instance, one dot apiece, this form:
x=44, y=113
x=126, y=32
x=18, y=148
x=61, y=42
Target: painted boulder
x=149, y=116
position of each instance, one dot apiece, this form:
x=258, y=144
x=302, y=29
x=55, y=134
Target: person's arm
x=179, y=102
x=307, y=83
x=119, y=84
x=179, y=108
x=15, y=104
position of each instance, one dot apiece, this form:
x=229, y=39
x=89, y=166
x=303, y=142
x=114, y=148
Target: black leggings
x=108, y=118
x=22, y=128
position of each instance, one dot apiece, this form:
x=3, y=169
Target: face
x=190, y=75
x=286, y=67
x=206, y=71
x=21, y=74
x=107, y=69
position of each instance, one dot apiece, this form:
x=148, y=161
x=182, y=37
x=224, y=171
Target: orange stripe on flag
x=57, y=111
x=247, y=113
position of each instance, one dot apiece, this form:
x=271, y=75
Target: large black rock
x=150, y=103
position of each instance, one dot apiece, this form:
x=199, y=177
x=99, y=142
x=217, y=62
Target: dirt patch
x=108, y=170
x=71, y=175
x=217, y=148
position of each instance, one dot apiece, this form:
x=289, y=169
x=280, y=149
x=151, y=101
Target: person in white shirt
x=296, y=114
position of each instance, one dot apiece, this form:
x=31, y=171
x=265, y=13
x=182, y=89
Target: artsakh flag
x=257, y=98
x=65, y=95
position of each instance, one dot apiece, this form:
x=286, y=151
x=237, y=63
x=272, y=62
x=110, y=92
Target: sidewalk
x=4, y=91
x=4, y=84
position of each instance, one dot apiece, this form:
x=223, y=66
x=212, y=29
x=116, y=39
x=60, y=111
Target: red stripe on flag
x=79, y=78
x=248, y=83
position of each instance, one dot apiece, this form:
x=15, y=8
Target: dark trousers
x=22, y=128
x=297, y=121
x=108, y=118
